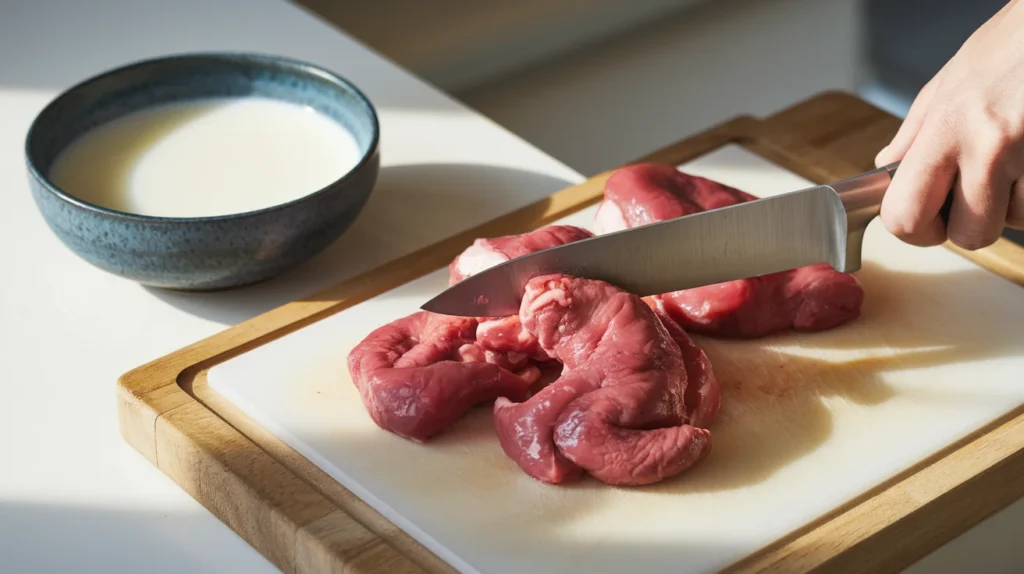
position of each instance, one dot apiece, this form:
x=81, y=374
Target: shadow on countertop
x=65, y=537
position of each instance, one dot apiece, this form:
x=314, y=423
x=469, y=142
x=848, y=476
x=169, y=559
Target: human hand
x=964, y=134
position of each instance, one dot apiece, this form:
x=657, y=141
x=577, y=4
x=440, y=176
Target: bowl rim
x=237, y=56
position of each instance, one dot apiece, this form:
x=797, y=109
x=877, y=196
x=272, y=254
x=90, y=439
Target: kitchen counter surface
x=73, y=495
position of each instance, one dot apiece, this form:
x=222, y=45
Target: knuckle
x=899, y=226
x=993, y=137
x=909, y=231
x=993, y=112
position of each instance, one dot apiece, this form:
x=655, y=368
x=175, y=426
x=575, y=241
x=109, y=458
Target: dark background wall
x=909, y=40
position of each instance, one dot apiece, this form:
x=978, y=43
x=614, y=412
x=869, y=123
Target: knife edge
x=749, y=239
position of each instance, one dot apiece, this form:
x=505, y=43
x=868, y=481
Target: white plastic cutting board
x=808, y=421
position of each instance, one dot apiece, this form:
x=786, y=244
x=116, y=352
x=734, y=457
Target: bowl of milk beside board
x=204, y=171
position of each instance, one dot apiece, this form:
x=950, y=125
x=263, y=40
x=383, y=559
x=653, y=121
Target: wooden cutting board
x=856, y=449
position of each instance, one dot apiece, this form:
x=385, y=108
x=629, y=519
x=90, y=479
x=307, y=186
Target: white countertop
x=73, y=495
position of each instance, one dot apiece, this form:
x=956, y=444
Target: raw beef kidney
x=812, y=298
x=619, y=411
x=421, y=373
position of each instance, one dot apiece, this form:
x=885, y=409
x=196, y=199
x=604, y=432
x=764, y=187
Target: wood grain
x=303, y=521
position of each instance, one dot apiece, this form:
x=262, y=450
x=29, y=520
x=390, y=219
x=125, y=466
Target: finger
x=981, y=198
x=910, y=207
x=910, y=127
x=1015, y=209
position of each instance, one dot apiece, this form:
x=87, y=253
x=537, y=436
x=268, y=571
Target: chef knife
x=820, y=224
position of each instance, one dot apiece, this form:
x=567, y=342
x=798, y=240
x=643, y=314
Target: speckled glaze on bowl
x=202, y=253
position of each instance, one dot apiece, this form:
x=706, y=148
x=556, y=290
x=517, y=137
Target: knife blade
x=819, y=224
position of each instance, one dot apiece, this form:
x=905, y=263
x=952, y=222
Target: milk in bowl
x=206, y=157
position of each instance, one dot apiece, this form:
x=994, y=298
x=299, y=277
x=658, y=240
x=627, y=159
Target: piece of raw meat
x=703, y=396
x=647, y=193
x=485, y=253
x=619, y=409
x=506, y=334
x=812, y=298
x=421, y=373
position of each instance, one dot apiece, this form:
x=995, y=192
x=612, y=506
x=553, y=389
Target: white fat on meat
x=609, y=218
x=478, y=257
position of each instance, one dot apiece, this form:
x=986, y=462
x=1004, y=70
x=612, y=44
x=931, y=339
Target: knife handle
x=946, y=205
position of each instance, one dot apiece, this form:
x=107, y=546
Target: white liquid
x=207, y=157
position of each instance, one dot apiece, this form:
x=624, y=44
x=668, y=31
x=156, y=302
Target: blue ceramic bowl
x=202, y=253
